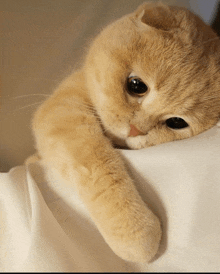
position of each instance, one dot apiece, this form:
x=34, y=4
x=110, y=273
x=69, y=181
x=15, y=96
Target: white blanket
x=45, y=226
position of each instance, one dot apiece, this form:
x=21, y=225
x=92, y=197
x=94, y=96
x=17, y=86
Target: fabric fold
x=45, y=227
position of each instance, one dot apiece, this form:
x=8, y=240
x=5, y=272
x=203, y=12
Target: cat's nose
x=134, y=131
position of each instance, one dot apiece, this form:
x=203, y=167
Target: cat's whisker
x=30, y=105
x=82, y=103
x=88, y=109
x=85, y=105
x=28, y=95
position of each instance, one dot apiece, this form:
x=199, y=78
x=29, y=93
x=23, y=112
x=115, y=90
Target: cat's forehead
x=179, y=86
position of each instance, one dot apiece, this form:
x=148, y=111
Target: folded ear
x=156, y=15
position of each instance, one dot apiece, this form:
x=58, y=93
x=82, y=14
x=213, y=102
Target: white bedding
x=45, y=226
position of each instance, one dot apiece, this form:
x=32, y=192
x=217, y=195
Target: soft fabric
x=46, y=227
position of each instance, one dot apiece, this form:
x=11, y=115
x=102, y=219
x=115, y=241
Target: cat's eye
x=136, y=86
x=176, y=123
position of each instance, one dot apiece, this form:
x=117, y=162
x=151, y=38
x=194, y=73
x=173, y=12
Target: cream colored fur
x=177, y=55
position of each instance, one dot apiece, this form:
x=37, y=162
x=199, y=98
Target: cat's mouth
x=121, y=147
x=135, y=139
x=117, y=142
x=129, y=137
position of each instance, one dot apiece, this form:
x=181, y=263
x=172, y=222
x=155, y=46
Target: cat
x=150, y=77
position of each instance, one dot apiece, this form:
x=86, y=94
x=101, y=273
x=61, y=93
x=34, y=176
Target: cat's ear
x=153, y=15
x=141, y=11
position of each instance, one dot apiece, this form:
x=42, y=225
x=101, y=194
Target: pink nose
x=134, y=131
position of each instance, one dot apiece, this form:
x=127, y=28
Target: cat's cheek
x=137, y=142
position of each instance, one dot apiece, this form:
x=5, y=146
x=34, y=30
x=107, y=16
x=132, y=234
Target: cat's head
x=154, y=76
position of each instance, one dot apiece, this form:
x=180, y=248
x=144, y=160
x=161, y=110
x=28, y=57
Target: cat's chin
x=137, y=142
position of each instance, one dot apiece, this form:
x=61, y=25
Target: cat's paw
x=133, y=235
x=142, y=246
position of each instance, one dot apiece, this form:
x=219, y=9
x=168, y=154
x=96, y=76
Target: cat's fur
x=177, y=56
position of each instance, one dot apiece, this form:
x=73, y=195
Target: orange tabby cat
x=151, y=77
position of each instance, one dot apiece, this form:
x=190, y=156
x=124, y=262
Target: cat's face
x=154, y=77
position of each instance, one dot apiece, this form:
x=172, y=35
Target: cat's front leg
x=124, y=220
x=72, y=140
